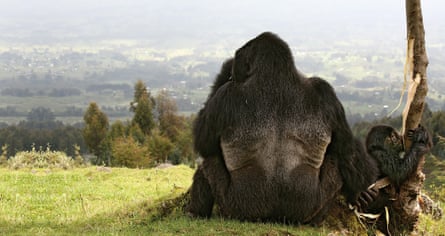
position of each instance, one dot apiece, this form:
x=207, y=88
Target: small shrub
x=40, y=159
x=4, y=156
x=78, y=159
x=129, y=153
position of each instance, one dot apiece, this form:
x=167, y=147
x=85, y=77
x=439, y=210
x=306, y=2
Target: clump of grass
x=41, y=159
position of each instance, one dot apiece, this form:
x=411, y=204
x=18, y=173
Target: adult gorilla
x=276, y=145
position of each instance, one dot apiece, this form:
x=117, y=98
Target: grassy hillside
x=118, y=201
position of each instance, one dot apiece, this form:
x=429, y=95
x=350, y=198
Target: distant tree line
x=70, y=111
x=156, y=133
x=9, y=111
x=55, y=92
x=40, y=129
x=114, y=87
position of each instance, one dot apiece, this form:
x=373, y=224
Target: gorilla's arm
x=398, y=168
x=219, y=114
x=204, y=129
x=421, y=145
x=201, y=193
x=358, y=172
x=395, y=167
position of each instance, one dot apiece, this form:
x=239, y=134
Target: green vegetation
x=144, y=141
x=95, y=131
x=41, y=159
x=121, y=201
x=87, y=200
x=25, y=135
x=142, y=106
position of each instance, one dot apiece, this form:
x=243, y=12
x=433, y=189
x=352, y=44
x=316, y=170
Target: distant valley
x=65, y=78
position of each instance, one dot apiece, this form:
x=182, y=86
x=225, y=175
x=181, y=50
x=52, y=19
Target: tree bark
x=405, y=209
x=417, y=67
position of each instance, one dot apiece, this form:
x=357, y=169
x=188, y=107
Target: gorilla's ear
x=240, y=65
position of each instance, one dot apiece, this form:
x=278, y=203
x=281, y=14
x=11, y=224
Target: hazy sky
x=182, y=21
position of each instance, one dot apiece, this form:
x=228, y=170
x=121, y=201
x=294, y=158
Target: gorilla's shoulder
x=321, y=86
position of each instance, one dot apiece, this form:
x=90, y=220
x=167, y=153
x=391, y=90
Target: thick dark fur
x=224, y=76
x=275, y=144
x=385, y=145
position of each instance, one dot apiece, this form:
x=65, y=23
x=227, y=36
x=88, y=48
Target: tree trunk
x=406, y=208
x=417, y=64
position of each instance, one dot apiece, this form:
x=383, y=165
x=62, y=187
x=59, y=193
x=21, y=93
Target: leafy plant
x=129, y=153
x=41, y=159
x=4, y=155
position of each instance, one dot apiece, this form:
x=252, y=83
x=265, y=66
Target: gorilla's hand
x=421, y=140
x=365, y=198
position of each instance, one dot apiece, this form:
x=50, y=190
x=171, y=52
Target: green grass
x=82, y=200
x=121, y=202
x=90, y=201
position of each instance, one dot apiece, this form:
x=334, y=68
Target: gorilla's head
x=384, y=137
x=266, y=54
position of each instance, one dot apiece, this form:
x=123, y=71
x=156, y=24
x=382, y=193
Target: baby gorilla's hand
x=421, y=139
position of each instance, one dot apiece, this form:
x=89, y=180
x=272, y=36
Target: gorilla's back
x=277, y=141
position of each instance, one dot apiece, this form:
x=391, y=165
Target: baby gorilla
x=385, y=145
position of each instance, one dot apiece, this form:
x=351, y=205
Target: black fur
x=276, y=144
x=385, y=144
x=224, y=76
x=202, y=203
